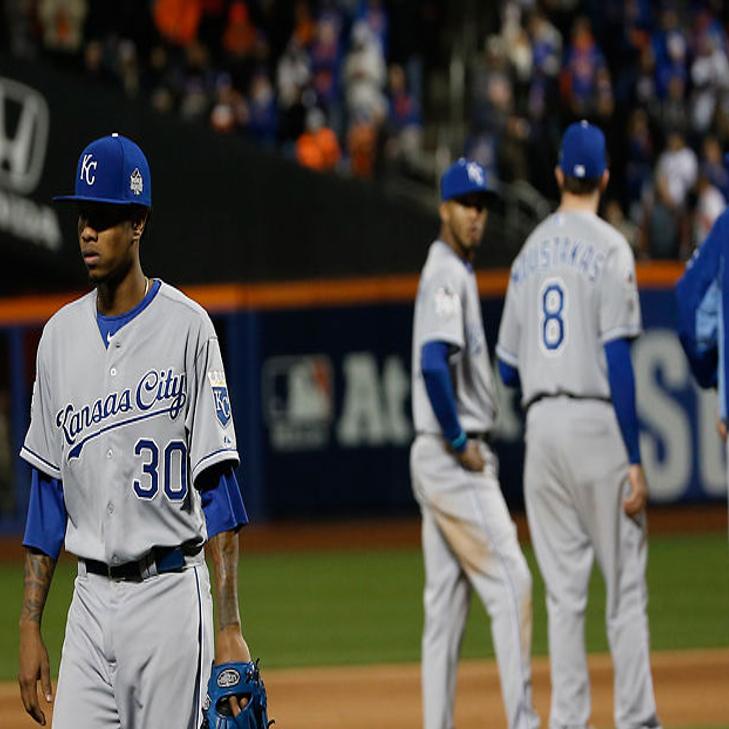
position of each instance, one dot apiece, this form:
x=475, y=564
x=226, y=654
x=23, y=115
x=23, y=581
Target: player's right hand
x=33, y=667
x=638, y=496
x=470, y=458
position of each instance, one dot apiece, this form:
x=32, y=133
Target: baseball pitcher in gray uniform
x=571, y=310
x=469, y=540
x=132, y=450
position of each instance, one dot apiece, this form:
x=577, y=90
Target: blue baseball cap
x=464, y=177
x=112, y=170
x=582, y=153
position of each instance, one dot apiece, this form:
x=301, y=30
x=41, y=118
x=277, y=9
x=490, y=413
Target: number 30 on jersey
x=552, y=315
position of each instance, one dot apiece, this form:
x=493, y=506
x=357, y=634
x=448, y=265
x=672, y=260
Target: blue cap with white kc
x=112, y=170
x=582, y=154
x=464, y=177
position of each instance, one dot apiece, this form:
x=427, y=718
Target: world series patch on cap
x=112, y=170
x=582, y=153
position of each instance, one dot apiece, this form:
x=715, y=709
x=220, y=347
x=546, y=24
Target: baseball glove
x=236, y=679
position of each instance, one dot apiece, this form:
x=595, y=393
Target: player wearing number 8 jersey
x=133, y=448
x=571, y=310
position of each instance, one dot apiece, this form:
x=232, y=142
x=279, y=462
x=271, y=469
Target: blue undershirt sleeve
x=438, y=385
x=509, y=374
x=222, y=502
x=45, y=524
x=622, y=390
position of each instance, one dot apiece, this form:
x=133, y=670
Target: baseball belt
x=158, y=561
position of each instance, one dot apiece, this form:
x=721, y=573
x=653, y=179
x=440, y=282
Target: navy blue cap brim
x=490, y=195
x=85, y=198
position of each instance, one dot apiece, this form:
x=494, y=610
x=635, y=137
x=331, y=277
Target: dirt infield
x=691, y=687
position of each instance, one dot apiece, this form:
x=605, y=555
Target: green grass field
x=365, y=607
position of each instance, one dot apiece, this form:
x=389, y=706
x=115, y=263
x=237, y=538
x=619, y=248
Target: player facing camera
x=465, y=200
x=113, y=192
x=133, y=454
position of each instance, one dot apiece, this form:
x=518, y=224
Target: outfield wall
x=319, y=379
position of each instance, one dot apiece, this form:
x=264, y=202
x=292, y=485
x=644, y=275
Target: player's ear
x=139, y=222
x=604, y=181
x=444, y=212
x=559, y=176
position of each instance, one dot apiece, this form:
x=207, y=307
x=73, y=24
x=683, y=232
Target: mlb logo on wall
x=298, y=401
x=220, y=396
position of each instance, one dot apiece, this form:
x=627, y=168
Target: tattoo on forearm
x=223, y=550
x=39, y=570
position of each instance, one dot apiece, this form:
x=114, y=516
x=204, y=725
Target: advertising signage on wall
x=335, y=403
x=24, y=127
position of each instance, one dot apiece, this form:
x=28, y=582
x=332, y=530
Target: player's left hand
x=638, y=496
x=231, y=647
x=721, y=429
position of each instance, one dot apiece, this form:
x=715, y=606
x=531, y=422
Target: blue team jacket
x=702, y=301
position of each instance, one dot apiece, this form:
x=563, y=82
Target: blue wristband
x=459, y=443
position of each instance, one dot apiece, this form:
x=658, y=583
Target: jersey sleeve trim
x=39, y=462
x=506, y=356
x=223, y=454
x=628, y=332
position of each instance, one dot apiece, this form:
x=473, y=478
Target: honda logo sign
x=23, y=136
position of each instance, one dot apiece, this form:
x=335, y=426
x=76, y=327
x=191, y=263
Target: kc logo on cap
x=112, y=170
x=88, y=169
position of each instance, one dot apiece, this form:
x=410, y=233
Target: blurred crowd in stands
x=329, y=82
x=653, y=75
x=343, y=84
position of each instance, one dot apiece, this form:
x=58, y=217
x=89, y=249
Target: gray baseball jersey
x=572, y=289
x=129, y=428
x=448, y=309
x=469, y=540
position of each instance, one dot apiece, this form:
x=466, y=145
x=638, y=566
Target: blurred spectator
x=639, y=168
x=713, y=166
x=199, y=83
x=405, y=122
x=177, y=20
x=263, y=117
x=676, y=170
x=325, y=63
x=673, y=112
x=667, y=227
x=317, y=147
x=62, y=22
x=661, y=234
x=293, y=77
x=365, y=75
x=584, y=62
x=373, y=14
x=614, y=215
x=546, y=44
x=17, y=27
x=362, y=147
x=230, y=111
x=710, y=79
x=670, y=48
x=710, y=204
x=492, y=103
x=304, y=25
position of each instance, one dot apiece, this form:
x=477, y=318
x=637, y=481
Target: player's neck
x=579, y=203
x=122, y=296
